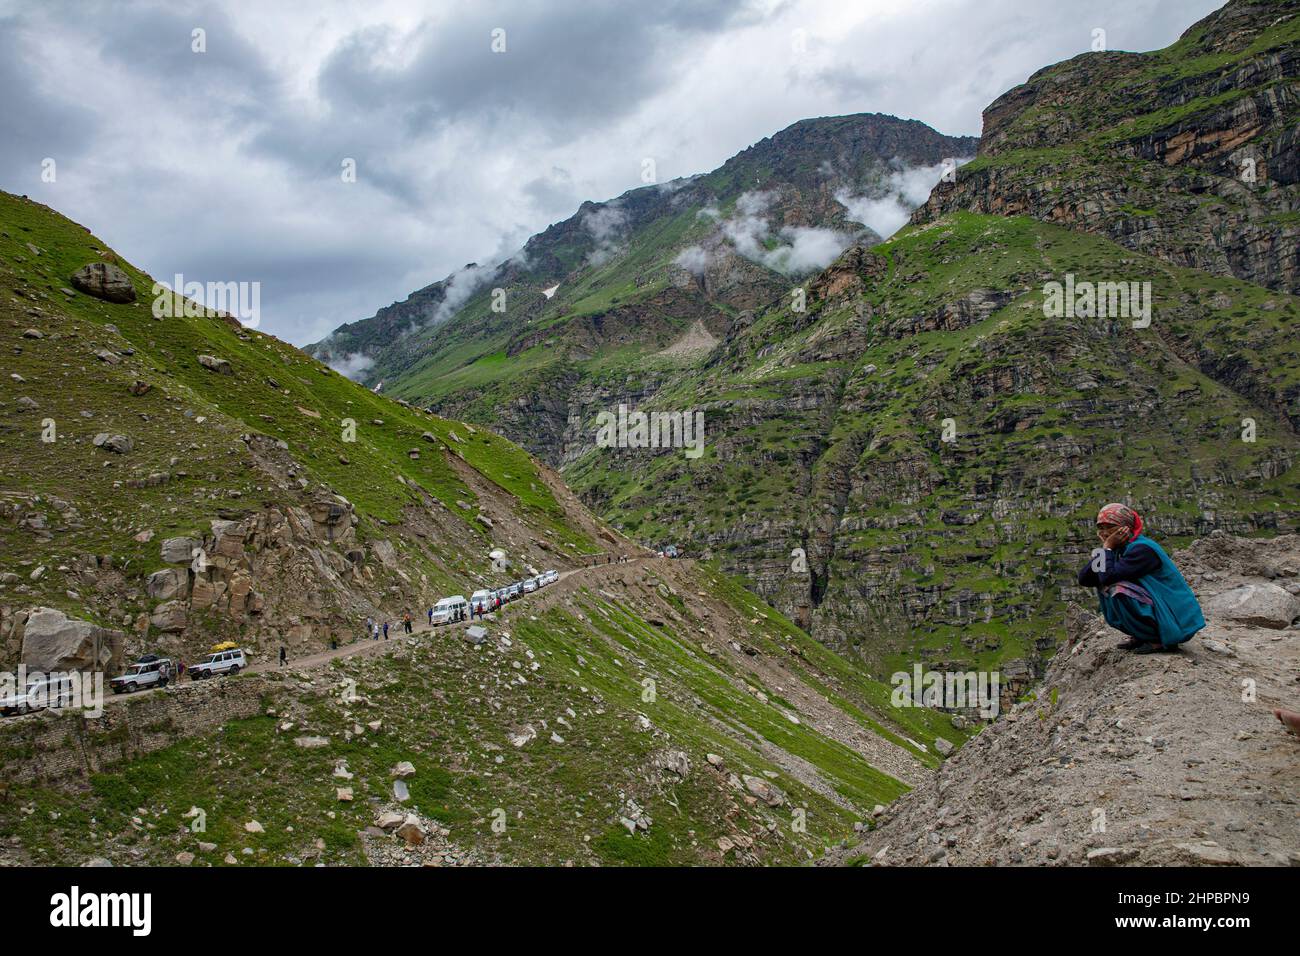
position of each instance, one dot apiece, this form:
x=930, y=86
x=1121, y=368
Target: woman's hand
x=1116, y=538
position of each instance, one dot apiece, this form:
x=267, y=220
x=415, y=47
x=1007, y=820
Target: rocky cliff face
x=1121, y=759
x=911, y=467
x=931, y=443
x=1188, y=154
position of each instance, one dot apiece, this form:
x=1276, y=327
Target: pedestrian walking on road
x=385, y=630
x=431, y=617
x=284, y=657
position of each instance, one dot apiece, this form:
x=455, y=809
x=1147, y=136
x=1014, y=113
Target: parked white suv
x=222, y=662
x=550, y=577
x=143, y=674
x=529, y=585
x=50, y=690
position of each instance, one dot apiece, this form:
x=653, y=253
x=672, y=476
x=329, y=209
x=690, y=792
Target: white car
x=222, y=662
x=143, y=674
x=454, y=608
x=49, y=690
x=550, y=577
x=529, y=585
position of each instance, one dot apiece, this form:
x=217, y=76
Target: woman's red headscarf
x=1123, y=516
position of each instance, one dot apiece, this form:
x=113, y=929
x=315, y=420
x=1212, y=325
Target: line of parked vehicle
x=151, y=670
x=457, y=608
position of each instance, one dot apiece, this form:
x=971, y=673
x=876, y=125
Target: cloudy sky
x=228, y=164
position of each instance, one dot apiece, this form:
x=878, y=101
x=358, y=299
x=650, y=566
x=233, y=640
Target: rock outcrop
x=1129, y=759
x=1188, y=154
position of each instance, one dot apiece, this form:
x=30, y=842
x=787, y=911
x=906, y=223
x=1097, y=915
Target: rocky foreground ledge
x=1140, y=760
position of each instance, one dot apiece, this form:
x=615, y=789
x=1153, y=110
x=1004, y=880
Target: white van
x=482, y=601
x=454, y=608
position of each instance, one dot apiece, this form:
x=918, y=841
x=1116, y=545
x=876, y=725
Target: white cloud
x=353, y=365
x=694, y=259
x=903, y=191
x=605, y=224
x=462, y=284
x=804, y=249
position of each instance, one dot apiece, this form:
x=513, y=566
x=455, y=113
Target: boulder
x=179, y=550
x=1263, y=605
x=763, y=790
x=166, y=584
x=404, y=769
x=52, y=641
x=170, y=617
x=1110, y=856
x=944, y=747
x=411, y=831
x=677, y=762
x=120, y=444
x=214, y=364
x=103, y=280
x=385, y=552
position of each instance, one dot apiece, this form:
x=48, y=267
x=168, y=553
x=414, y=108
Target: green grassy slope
x=208, y=438
x=824, y=431
x=189, y=424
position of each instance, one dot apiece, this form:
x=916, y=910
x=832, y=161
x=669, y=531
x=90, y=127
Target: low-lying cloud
x=793, y=250
x=354, y=365
x=904, y=190
x=606, y=224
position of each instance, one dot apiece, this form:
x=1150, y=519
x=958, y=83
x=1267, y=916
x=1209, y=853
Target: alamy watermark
x=951, y=690
x=637, y=429
x=243, y=300
x=25, y=691
x=1098, y=300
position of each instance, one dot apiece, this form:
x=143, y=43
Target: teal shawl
x=1174, y=614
